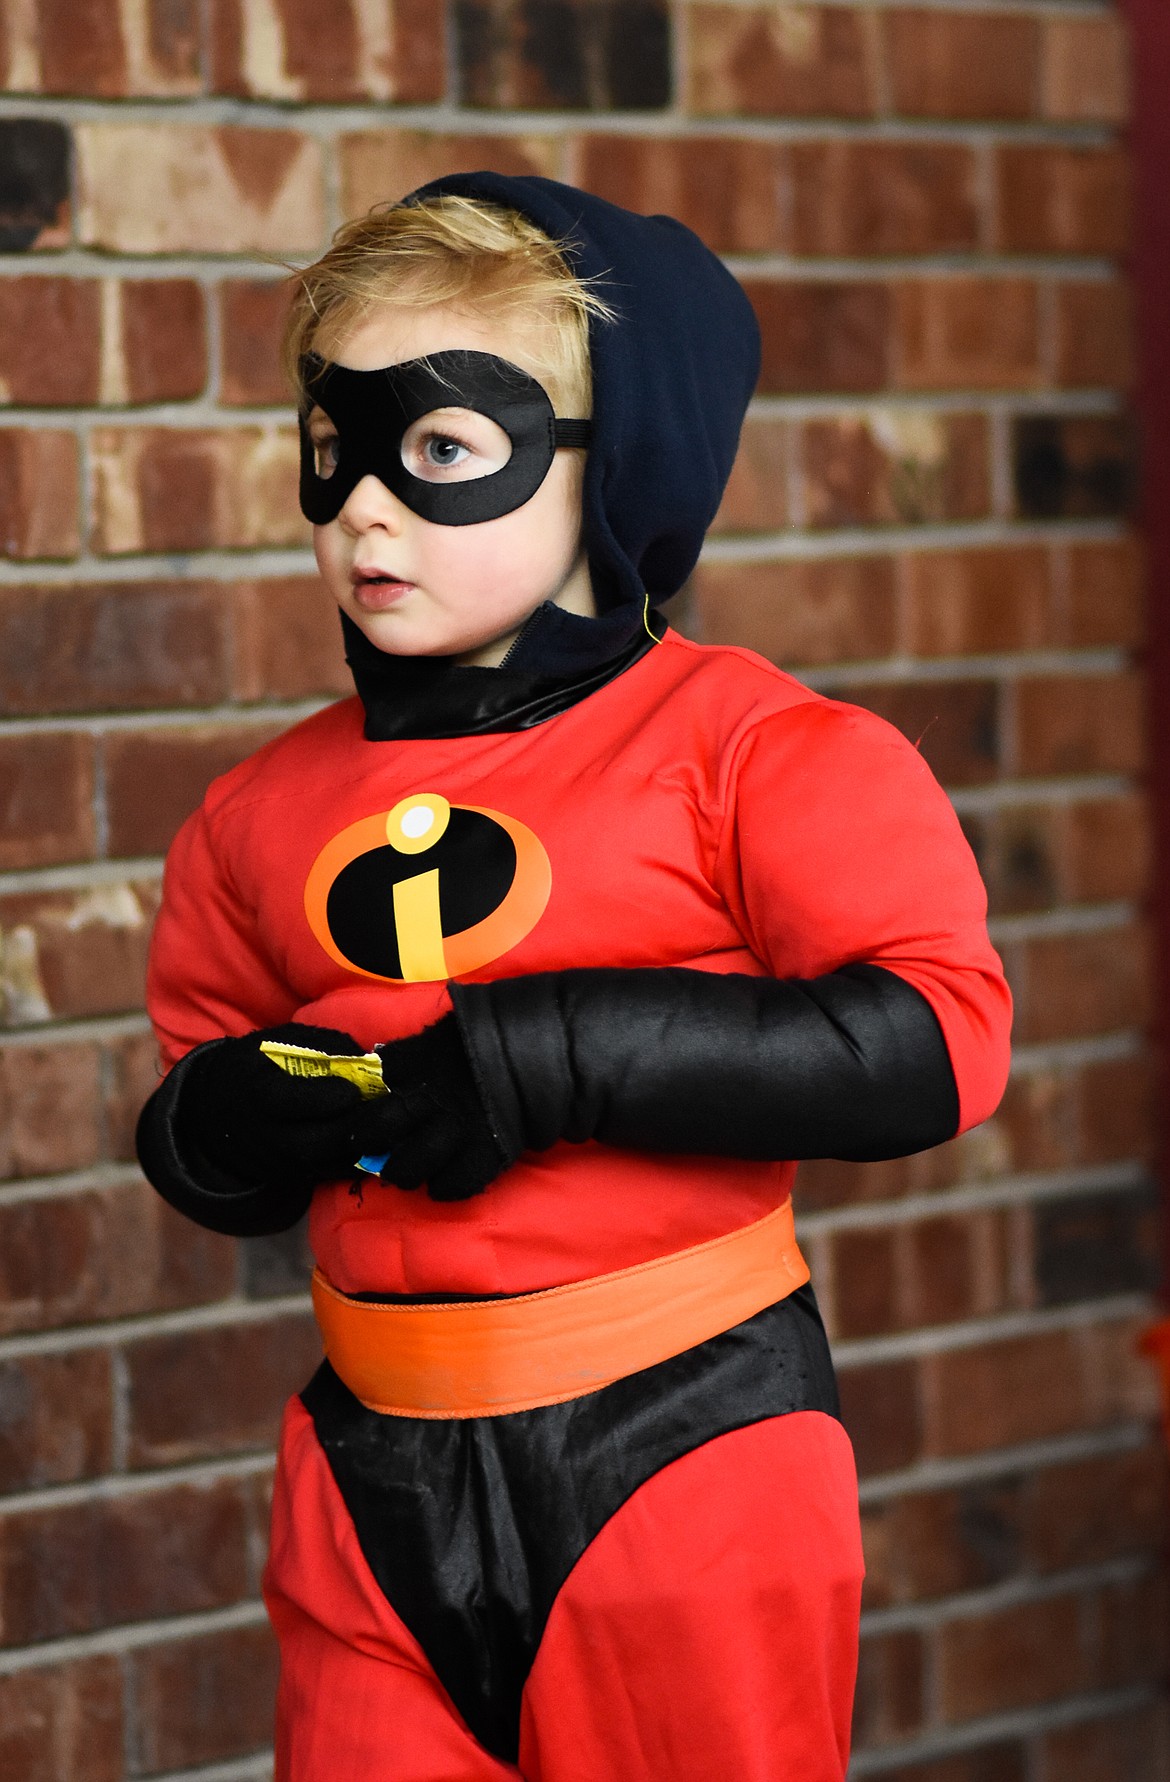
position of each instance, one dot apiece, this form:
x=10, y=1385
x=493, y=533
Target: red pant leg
x=358, y=1701
x=710, y=1629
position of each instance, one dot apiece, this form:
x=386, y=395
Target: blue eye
x=443, y=451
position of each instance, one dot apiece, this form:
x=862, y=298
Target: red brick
x=780, y=61
x=46, y=799
x=1074, y=467
x=1134, y=1744
x=1028, y=1388
x=108, y=646
x=1061, y=200
x=104, y=1253
x=38, y=493
x=1087, y=1512
x=881, y=1409
x=1013, y=1658
x=211, y=1392
x=96, y=48
x=163, y=339
x=132, y=1074
x=53, y=1108
x=967, y=333
x=755, y=499
x=1078, y=984
x=730, y=192
x=56, y=1416
x=864, y=1283
x=956, y=724
x=930, y=1544
x=348, y=52
x=1085, y=70
x=252, y=313
x=978, y=602
x=75, y=953
x=49, y=341
x=1080, y=724
x=117, y=1559
x=1095, y=1113
x=1021, y=855
x=1118, y=1112
x=1106, y=589
x=287, y=640
x=195, y=489
x=890, y=1700
x=1109, y=847
x=63, y=1721
x=874, y=198
x=205, y=1699
x=822, y=337
x=191, y=188
x=1094, y=335
x=580, y=57
x=377, y=165
x=813, y=611
x=988, y=1763
x=961, y=65
x=894, y=467
x=156, y=778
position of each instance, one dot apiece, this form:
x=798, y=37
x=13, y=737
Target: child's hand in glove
x=256, y=1123
x=433, y=1123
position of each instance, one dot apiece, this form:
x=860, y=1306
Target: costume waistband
x=483, y=1358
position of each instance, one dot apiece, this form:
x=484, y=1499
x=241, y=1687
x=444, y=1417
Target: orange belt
x=482, y=1358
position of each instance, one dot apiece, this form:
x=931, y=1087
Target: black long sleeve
x=850, y=1065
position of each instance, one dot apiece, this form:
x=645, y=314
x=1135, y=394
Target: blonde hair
x=450, y=250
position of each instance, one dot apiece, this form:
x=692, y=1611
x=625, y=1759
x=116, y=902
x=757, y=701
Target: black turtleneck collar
x=557, y=660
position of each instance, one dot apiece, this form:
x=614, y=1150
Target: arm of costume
x=208, y=978
x=841, y=857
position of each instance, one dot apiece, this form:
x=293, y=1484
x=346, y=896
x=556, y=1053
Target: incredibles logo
x=426, y=891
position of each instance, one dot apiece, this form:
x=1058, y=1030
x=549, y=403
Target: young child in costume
x=633, y=924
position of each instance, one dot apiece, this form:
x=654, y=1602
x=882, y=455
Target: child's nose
x=371, y=503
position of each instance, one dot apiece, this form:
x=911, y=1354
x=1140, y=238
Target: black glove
x=257, y=1124
x=433, y=1122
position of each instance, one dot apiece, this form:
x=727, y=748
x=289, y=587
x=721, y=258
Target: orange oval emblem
x=427, y=891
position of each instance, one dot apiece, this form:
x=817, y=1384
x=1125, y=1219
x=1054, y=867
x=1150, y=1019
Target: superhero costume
x=693, y=921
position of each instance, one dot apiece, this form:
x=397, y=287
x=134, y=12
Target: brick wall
x=929, y=206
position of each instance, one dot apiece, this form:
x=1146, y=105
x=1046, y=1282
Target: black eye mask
x=372, y=410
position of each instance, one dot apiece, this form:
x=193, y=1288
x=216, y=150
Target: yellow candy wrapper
x=362, y=1068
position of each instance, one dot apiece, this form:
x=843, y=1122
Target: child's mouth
x=375, y=593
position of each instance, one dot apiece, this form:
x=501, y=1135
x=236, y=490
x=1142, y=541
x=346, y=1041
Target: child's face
x=460, y=591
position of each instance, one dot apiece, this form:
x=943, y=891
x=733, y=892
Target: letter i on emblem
x=412, y=827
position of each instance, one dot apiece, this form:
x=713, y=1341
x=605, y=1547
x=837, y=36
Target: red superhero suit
x=694, y=921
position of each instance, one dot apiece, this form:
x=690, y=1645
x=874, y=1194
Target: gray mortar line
x=1000, y=1327
x=1000, y=1191
x=1012, y=1593
x=221, y=1315
x=999, y=1463
x=1023, y=1724
x=116, y=1486
x=131, y=1637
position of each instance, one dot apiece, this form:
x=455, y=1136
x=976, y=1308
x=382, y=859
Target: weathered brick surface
x=216, y=1391
x=39, y=493
x=63, y=1720
x=205, y=1699
x=101, y=1253
x=781, y=61
x=391, y=50
x=192, y=489
x=930, y=515
x=377, y=165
